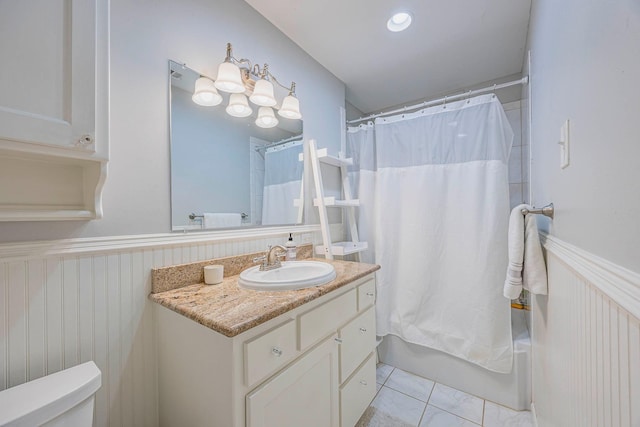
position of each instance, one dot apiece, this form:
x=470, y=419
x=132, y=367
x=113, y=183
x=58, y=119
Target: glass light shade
x=205, y=93
x=263, y=94
x=290, y=108
x=238, y=106
x=229, y=79
x=266, y=118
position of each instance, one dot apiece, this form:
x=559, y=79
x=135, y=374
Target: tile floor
x=406, y=400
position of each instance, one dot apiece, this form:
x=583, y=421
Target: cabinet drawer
x=267, y=353
x=325, y=319
x=358, y=340
x=366, y=294
x=358, y=392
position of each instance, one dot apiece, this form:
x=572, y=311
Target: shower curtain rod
x=455, y=97
x=282, y=141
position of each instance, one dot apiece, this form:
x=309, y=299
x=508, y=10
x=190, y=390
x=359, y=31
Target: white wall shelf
x=43, y=187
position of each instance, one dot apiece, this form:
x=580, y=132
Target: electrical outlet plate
x=564, y=145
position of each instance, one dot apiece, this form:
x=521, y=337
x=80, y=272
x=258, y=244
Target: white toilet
x=62, y=399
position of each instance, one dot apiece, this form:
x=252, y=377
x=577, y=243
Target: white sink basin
x=292, y=275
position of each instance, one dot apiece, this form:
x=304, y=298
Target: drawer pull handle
x=338, y=340
x=276, y=351
x=363, y=382
x=370, y=294
x=363, y=330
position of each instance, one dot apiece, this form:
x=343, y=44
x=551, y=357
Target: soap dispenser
x=291, y=249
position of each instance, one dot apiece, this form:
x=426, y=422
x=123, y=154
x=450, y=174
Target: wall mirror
x=226, y=172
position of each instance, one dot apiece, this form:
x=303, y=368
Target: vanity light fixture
x=205, y=93
x=229, y=79
x=263, y=91
x=238, y=106
x=290, y=105
x=399, y=22
x=241, y=78
x=266, y=118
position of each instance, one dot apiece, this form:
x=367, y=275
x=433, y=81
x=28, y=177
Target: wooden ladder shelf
x=329, y=248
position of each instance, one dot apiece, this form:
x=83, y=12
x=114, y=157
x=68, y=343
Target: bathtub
x=512, y=390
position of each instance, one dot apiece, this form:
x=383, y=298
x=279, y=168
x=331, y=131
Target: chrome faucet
x=270, y=258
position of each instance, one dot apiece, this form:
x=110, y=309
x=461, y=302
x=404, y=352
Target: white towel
x=220, y=220
x=513, y=282
x=534, y=273
x=524, y=251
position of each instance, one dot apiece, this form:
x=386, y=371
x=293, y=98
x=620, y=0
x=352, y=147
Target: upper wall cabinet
x=53, y=109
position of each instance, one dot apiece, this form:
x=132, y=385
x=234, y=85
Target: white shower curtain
x=435, y=206
x=282, y=181
x=361, y=148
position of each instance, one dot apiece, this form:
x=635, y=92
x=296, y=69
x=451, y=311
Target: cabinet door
x=48, y=84
x=303, y=394
x=358, y=340
x=357, y=393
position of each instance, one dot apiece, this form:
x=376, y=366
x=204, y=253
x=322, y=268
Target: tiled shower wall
x=519, y=158
x=256, y=180
x=518, y=162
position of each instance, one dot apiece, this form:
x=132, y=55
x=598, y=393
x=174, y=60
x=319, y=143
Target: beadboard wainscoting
x=66, y=302
x=586, y=341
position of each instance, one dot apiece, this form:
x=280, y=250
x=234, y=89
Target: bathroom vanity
x=232, y=357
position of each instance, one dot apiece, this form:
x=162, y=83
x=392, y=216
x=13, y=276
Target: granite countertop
x=230, y=310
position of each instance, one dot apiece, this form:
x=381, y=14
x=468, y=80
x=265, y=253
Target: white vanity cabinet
x=53, y=109
x=313, y=366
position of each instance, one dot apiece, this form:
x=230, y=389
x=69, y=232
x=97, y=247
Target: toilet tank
x=65, y=398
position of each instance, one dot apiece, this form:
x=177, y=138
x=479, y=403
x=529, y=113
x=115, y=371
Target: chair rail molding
x=618, y=283
x=54, y=248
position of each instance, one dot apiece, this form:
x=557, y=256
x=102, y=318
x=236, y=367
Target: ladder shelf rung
x=333, y=202
x=324, y=157
x=343, y=248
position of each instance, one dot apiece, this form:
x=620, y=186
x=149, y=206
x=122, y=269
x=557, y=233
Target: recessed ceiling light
x=398, y=22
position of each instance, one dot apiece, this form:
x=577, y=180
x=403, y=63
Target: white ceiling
x=451, y=45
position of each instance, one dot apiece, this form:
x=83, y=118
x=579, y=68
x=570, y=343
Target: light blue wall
x=585, y=63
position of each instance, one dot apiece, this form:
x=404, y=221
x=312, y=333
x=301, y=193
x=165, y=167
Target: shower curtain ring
x=444, y=104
